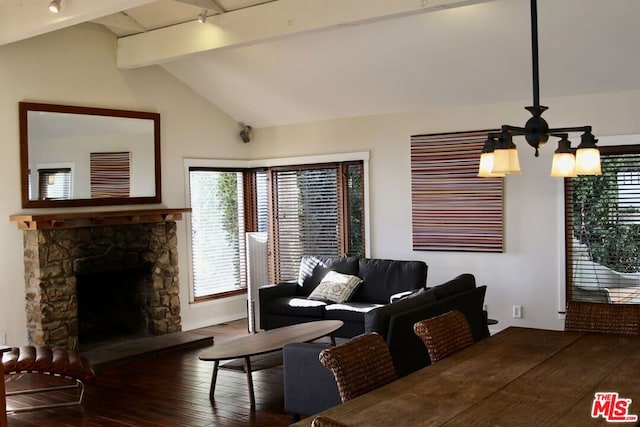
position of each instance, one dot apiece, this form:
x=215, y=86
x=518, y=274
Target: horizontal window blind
x=603, y=230
x=217, y=232
x=306, y=217
x=452, y=208
x=54, y=183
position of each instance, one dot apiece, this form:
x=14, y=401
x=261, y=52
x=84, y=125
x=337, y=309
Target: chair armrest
x=309, y=387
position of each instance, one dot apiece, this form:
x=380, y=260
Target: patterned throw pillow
x=335, y=287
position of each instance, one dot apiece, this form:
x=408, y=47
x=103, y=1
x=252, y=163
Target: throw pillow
x=335, y=287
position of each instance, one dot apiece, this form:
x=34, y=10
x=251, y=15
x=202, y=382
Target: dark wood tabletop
x=518, y=377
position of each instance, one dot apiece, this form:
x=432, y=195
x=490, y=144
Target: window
x=603, y=230
x=217, y=232
x=54, y=183
x=306, y=209
x=316, y=210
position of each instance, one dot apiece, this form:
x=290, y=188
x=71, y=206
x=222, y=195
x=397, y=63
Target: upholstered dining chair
x=620, y=319
x=359, y=365
x=444, y=334
x=322, y=421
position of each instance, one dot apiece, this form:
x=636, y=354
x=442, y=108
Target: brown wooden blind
x=452, y=208
x=306, y=217
x=110, y=174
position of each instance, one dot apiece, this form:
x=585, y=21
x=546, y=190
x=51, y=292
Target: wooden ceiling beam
x=24, y=19
x=264, y=22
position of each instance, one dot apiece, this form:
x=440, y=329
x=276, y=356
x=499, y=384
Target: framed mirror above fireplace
x=73, y=156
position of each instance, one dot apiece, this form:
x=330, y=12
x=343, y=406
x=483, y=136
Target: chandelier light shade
x=499, y=155
x=55, y=7
x=564, y=161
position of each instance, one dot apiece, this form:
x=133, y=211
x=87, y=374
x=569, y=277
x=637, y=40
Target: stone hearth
x=53, y=258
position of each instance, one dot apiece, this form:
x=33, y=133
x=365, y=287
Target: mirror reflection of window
x=54, y=184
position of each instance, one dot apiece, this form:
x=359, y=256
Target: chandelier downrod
x=534, y=53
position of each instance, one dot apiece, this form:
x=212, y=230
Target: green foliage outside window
x=609, y=227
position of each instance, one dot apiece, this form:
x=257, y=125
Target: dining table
x=517, y=377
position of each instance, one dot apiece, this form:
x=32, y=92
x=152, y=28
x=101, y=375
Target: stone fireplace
x=107, y=253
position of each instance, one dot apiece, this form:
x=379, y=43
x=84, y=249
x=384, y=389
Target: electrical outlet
x=3, y=338
x=517, y=312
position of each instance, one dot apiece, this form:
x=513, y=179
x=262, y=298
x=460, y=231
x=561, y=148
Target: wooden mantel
x=49, y=221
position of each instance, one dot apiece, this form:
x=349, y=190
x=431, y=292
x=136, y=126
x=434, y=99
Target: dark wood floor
x=166, y=389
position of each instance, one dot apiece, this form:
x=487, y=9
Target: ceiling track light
x=54, y=6
x=202, y=18
x=499, y=155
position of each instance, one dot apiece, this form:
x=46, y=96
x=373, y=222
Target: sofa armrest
x=267, y=293
x=309, y=387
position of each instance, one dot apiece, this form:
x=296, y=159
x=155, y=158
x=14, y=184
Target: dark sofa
x=395, y=323
x=288, y=304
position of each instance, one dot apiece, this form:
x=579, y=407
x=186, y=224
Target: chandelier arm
x=570, y=129
x=514, y=130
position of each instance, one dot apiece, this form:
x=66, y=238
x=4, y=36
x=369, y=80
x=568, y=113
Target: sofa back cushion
x=460, y=283
x=313, y=268
x=382, y=278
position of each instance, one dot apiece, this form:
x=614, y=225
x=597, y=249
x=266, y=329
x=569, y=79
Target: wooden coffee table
x=264, y=342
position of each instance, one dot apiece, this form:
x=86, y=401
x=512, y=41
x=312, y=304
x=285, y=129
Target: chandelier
x=500, y=157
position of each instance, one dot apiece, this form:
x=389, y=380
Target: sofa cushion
x=349, y=311
x=383, y=278
x=413, y=294
x=314, y=268
x=460, y=283
x=335, y=287
x=297, y=306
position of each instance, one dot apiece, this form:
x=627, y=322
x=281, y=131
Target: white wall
x=77, y=66
x=530, y=272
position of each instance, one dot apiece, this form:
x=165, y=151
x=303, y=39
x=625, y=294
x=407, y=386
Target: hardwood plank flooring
x=163, y=389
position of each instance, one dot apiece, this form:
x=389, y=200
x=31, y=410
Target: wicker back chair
x=621, y=319
x=359, y=365
x=322, y=421
x=444, y=334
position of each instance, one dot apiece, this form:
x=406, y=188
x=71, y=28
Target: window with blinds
x=306, y=210
x=602, y=216
x=54, y=183
x=305, y=217
x=217, y=232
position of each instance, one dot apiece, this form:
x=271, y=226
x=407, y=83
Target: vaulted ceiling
x=277, y=62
